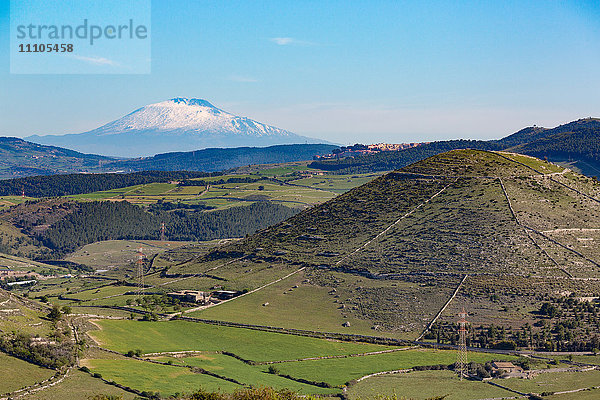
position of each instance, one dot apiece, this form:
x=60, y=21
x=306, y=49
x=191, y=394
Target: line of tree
x=72, y=184
x=246, y=179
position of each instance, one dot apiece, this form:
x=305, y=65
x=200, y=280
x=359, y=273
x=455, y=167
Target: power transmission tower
x=462, y=344
x=140, y=273
x=162, y=232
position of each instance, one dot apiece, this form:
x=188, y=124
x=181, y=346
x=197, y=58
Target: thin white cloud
x=96, y=60
x=243, y=79
x=288, y=41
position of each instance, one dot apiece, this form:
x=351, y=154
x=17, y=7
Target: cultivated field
x=28, y=374
x=249, y=344
x=423, y=385
x=289, y=185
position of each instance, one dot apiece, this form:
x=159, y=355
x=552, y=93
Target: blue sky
x=345, y=71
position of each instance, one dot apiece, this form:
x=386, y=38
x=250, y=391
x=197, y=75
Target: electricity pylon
x=140, y=273
x=462, y=344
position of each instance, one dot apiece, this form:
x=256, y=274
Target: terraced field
x=282, y=187
x=273, y=359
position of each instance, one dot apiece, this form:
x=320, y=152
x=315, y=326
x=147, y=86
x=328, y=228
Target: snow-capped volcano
x=179, y=124
x=189, y=115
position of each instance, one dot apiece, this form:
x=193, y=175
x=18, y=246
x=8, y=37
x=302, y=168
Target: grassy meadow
x=29, y=374
x=423, y=385
x=151, y=337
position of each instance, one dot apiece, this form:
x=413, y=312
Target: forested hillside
x=65, y=226
x=22, y=158
x=578, y=141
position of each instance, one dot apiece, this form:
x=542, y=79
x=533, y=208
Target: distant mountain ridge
x=179, y=124
x=577, y=143
x=211, y=160
x=22, y=158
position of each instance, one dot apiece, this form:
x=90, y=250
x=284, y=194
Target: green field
x=146, y=376
x=155, y=337
x=249, y=375
x=65, y=286
x=555, y=381
x=99, y=293
x=300, y=193
x=254, y=345
x=587, y=359
x=9, y=201
x=79, y=385
x=581, y=395
x=16, y=374
x=423, y=385
x=338, y=371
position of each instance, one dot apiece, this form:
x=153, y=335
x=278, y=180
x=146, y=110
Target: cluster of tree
x=96, y=221
x=565, y=324
x=49, y=353
x=71, y=184
x=228, y=223
x=162, y=205
x=224, y=159
x=56, y=312
x=20, y=246
x=355, y=147
x=70, y=265
x=155, y=302
x=391, y=160
x=246, y=179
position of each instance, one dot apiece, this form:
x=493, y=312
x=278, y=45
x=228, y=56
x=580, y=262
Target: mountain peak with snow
x=192, y=102
x=178, y=124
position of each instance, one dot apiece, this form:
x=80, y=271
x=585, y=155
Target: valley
x=366, y=276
